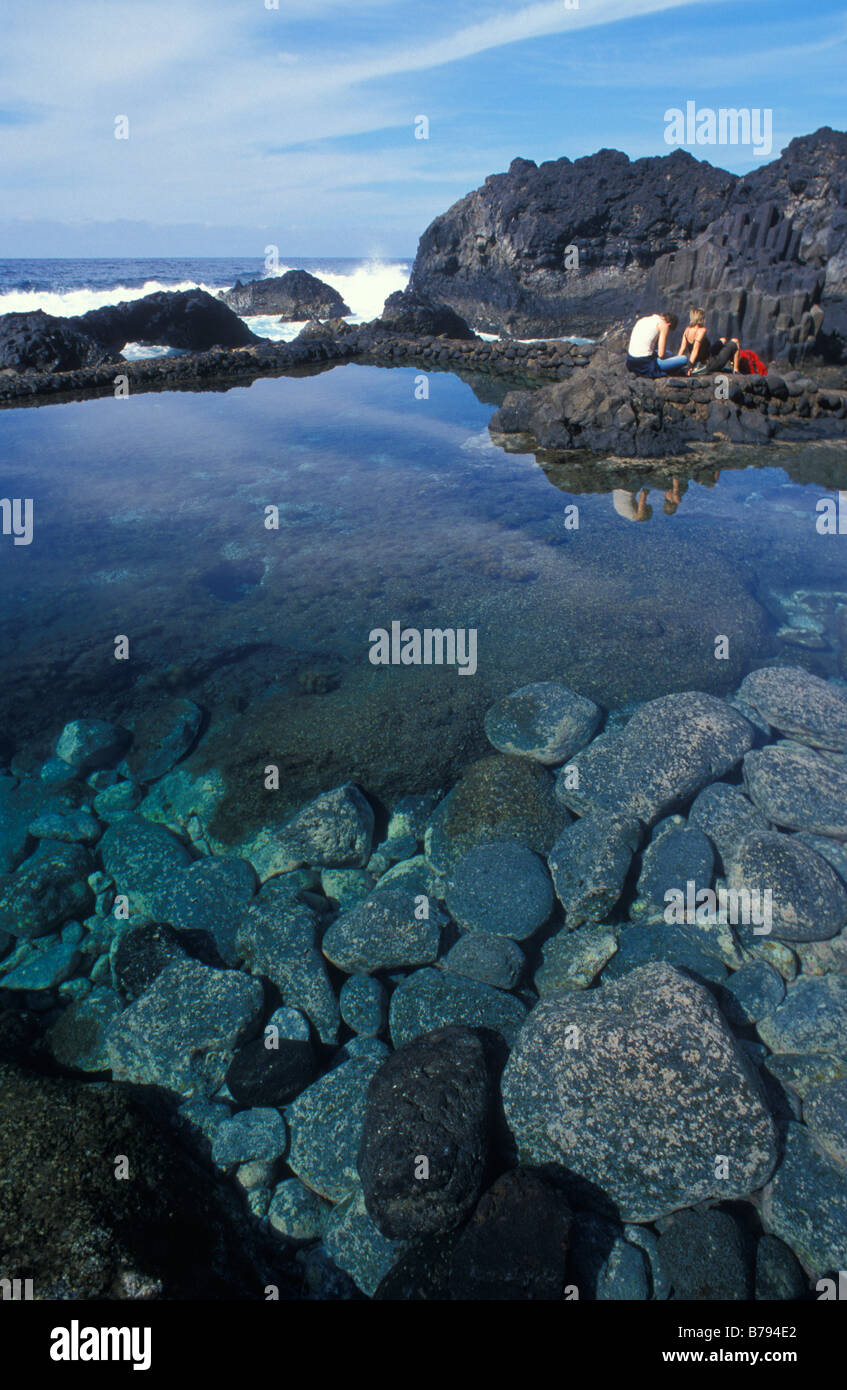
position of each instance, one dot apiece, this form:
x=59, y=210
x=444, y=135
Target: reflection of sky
x=388, y=506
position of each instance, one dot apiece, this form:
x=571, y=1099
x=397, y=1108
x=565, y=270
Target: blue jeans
x=670, y=364
x=654, y=366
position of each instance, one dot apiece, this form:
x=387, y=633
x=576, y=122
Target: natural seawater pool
x=150, y=523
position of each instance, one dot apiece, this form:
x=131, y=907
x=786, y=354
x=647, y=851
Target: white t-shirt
x=645, y=336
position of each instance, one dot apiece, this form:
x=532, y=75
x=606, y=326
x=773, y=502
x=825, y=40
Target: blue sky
x=295, y=125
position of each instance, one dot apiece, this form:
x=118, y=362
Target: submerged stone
x=430, y=999
x=500, y=887
x=545, y=721
x=727, y=816
x=46, y=890
x=282, y=945
x=325, y=1123
x=799, y=704
x=806, y=1204
x=635, y=1088
x=493, y=960
x=141, y=856
x=811, y=1018
x=87, y=744
x=385, y=932
x=162, y=736
x=589, y=863
x=425, y=1136
x=498, y=798
x=182, y=1031
x=798, y=789
x=796, y=891
x=668, y=751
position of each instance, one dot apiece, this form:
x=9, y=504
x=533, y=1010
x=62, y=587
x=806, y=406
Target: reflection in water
x=151, y=520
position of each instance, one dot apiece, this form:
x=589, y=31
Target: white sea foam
x=66, y=303
x=365, y=289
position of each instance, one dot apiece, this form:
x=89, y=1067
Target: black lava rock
x=260, y=1075
x=515, y=1245
x=425, y=1137
x=144, y=952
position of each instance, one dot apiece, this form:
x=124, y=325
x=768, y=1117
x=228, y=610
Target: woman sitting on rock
x=702, y=355
x=695, y=343
x=647, y=344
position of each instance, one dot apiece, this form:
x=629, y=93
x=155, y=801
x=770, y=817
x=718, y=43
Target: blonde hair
x=697, y=318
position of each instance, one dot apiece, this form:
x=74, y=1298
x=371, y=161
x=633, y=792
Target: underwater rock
x=46, y=890
x=429, y=1104
x=679, y=856
x=353, y=1240
x=589, y=863
x=43, y=969
x=825, y=1113
x=87, y=744
x=364, y=1005
x=502, y=888
x=629, y=1086
x=498, y=798
x=297, y=1213
x=209, y=895
x=259, y=1075
x=161, y=736
x=799, y=705
x=806, y=1204
x=142, y=952
x=334, y=830
x=706, y=1255
x=385, y=932
x=779, y=1274
x=572, y=959
x=726, y=815
x=429, y=999
x=281, y=943
x=493, y=960
x=251, y=1136
x=668, y=751
x=325, y=1124
x=804, y=898
x=23, y=802
x=182, y=1031
x=172, y=1232
x=545, y=721
x=798, y=789
x=515, y=1245
x=140, y=855
x=750, y=992
x=78, y=1037
x=811, y=1018
x=71, y=827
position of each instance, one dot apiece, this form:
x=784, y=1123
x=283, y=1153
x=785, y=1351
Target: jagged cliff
x=767, y=247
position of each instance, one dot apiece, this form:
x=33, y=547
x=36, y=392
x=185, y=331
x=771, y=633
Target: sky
x=293, y=122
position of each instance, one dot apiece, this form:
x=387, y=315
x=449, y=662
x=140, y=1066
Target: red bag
x=751, y=365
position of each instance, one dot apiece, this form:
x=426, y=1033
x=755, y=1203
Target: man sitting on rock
x=647, y=344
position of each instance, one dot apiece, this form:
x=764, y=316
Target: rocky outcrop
x=416, y=314
x=746, y=271
x=571, y=247
x=503, y=256
x=188, y=319
x=41, y=342
x=606, y=409
x=295, y=295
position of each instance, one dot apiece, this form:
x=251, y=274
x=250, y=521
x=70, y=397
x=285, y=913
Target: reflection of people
x=647, y=345
x=626, y=504
x=673, y=497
